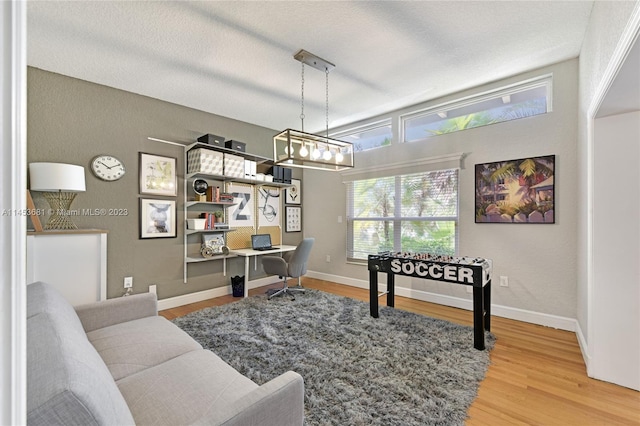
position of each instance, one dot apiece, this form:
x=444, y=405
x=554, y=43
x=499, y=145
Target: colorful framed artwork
x=157, y=218
x=158, y=175
x=293, y=221
x=516, y=191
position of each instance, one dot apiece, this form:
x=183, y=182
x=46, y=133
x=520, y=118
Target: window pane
x=373, y=198
x=437, y=237
x=370, y=237
x=433, y=194
x=370, y=138
x=504, y=106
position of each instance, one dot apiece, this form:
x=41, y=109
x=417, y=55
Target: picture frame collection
x=158, y=179
x=293, y=207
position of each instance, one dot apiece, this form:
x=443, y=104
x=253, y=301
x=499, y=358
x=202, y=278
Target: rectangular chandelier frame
x=293, y=148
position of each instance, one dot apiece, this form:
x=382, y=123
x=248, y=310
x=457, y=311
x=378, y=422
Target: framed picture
x=516, y=191
x=293, y=193
x=158, y=175
x=214, y=240
x=242, y=212
x=268, y=206
x=293, y=219
x=157, y=218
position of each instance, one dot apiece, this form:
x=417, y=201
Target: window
x=367, y=137
x=525, y=99
x=416, y=212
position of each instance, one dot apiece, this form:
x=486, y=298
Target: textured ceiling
x=235, y=59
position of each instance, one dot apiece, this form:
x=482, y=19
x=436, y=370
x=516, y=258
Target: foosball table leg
x=478, y=318
x=391, y=289
x=373, y=293
x=487, y=306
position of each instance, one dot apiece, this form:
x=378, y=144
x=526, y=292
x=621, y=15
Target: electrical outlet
x=328, y=258
x=128, y=282
x=339, y=219
x=152, y=289
x=504, y=281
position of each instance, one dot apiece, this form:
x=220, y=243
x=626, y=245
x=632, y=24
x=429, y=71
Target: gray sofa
x=118, y=363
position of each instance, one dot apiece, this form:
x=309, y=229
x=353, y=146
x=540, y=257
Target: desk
x=247, y=253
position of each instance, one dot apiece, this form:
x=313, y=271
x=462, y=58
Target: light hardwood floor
x=537, y=375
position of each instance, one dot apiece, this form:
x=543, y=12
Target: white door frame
x=13, y=154
x=627, y=39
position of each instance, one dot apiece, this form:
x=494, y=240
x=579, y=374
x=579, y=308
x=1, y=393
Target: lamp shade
x=53, y=177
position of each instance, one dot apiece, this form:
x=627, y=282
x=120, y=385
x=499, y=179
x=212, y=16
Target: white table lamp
x=60, y=184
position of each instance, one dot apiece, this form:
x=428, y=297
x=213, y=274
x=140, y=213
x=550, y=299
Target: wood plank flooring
x=537, y=375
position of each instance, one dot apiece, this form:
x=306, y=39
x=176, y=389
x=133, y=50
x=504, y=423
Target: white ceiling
x=235, y=59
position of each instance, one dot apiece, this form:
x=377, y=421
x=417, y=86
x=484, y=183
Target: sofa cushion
x=182, y=390
x=44, y=298
x=130, y=347
x=67, y=382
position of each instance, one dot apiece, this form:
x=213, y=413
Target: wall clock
x=107, y=167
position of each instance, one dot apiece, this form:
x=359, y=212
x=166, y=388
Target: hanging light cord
x=326, y=70
x=302, y=97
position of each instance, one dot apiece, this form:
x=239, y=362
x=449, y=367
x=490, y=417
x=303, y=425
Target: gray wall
x=540, y=260
x=72, y=121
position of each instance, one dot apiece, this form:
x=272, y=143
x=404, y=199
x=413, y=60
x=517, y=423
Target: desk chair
x=292, y=264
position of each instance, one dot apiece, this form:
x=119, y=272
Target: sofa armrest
x=114, y=311
x=279, y=402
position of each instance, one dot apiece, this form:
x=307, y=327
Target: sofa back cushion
x=67, y=381
x=43, y=297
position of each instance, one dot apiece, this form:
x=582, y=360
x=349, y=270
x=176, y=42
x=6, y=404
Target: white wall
x=616, y=250
x=540, y=260
x=603, y=46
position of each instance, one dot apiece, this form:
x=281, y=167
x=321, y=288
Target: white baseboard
x=547, y=320
x=174, y=302
x=584, y=348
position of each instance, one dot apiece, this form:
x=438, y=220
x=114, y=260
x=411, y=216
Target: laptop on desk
x=261, y=242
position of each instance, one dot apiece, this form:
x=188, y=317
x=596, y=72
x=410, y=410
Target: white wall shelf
x=192, y=207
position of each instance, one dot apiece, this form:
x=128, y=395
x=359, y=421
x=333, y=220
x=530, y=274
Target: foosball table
x=471, y=271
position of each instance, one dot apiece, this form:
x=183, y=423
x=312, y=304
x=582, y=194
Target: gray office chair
x=292, y=264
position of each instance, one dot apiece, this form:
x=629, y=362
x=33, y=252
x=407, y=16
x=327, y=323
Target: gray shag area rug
x=399, y=369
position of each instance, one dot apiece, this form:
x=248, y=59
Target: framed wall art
x=293, y=219
x=241, y=213
x=268, y=206
x=157, y=218
x=293, y=195
x=516, y=191
x=158, y=175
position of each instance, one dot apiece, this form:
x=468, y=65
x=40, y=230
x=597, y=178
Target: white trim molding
x=174, y=302
x=539, y=318
x=13, y=228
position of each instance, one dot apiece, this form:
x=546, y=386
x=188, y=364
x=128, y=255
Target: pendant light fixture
x=295, y=148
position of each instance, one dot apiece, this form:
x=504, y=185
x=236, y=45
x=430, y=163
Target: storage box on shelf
x=223, y=164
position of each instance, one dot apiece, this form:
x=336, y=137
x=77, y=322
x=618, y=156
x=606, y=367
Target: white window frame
x=545, y=80
x=387, y=122
x=397, y=219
